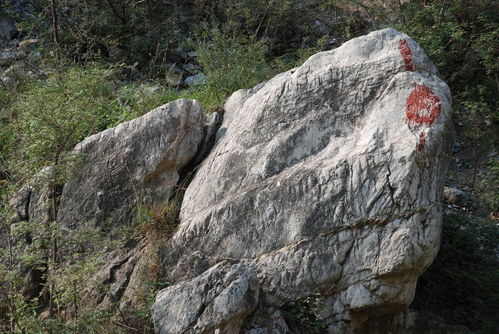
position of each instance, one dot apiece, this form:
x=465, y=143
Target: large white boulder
x=325, y=179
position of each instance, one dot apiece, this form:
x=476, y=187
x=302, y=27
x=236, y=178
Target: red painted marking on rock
x=406, y=53
x=422, y=141
x=423, y=106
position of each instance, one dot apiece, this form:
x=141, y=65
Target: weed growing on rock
x=158, y=221
x=304, y=315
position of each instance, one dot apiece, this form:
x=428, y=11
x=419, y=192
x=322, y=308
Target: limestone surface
x=222, y=297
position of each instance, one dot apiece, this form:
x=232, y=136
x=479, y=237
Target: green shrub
x=47, y=118
x=52, y=116
x=230, y=63
x=490, y=184
x=303, y=315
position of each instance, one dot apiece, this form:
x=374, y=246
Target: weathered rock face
x=224, y=292
x=123, y=274
x=34, y=202
x=325, y=179
x=135, y=163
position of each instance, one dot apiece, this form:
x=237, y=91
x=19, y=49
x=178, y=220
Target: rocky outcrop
x=119, y=283
x=325, y=179
x=117, y=171
x=136, y=163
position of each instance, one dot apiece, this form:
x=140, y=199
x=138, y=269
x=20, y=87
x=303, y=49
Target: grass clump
x=159, y=221
x=304, y=315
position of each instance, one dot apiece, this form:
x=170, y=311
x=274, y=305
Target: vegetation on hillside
x=462, y=285
x=88, y=45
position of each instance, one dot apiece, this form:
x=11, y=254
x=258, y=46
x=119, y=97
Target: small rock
x=15, y=71
x=129, y=74
x=333, y=42
x=191, y=68
x=35, y=57
x=195, y=80
x=457, y=147
x=192, y=54
x=148, y=89
x=173, y=75
x=9, y=57
x=7, y=82
x=180, y=53
x=453, y=195
x=320, y=26
x=8, y=29
x=14, y=76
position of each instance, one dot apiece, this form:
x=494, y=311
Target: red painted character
x=406, y=53
x=423, y=106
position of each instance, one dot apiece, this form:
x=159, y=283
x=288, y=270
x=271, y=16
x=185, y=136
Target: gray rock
x=191, y=68
x=20, y=204
x=457, y=147
x=33, y=201
x=326, y=179
x=218, y=299
x=35, y=57
x=192, y=54
x=453, y=195
x=8, y=29
x=133, y=164
x=10, y=57
x=120, y=278
x=180, y=52
x=14, y=76
x=195, y=80
x=7, y=82
x=174, y=75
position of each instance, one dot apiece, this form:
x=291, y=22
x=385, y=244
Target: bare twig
x=402, y=13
